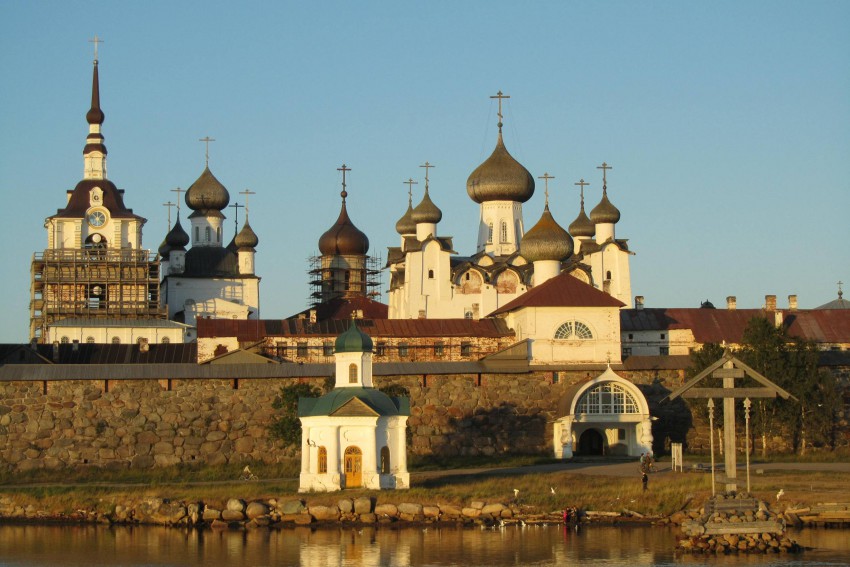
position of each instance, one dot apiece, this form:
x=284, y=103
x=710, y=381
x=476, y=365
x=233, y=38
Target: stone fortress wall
x=156, y=423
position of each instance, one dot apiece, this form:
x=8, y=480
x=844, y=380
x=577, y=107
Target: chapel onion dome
x=426, y=211
x=353, y=340
x=582, y=226
x=246, y=238
x=546, y=240
x=177, y=239
x=207, y=193
x=164, y=250
x=406, y=224
x=605, y=212
x=343, y=238
x=500, y=178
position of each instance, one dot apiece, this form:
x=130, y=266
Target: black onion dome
x=343, y=238
x=605, y=211
x=164, y=249
x=246, y=238
x=177, y=239
x=582, y=226
x=546, y=240
x=406, y=224
x=426, y=211
x=500, y=178
x=206, y=193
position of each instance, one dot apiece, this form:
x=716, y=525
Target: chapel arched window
x=573, y=330
x=607, y=398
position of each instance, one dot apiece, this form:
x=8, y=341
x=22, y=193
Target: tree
x=287, y=427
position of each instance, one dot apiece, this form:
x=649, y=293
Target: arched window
x=218, y=234
x=607, y=398
x=322, y=464
x=90, y=340
x=165, y=340
x=116, y=341
x=385, y=460
x=503, y=232
x=489, y=233
x=430, y=274
x=608, y=275
x=352, y=373
x=64, y=340
x=197, y=234
x=573, y=330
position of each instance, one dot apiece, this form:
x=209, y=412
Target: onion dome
x=343, y=238
x=177, y=239
x=582, y=226
x=246, y=237
x=207, y=193
x=500, y=178
x=426, y=211
x=546, y=240
x=164, y=250
x=605, y=212
x=406, y=224
x=353, y=340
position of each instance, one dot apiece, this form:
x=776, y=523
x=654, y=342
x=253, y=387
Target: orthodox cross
x=236, y=206
x=169, y=204
x=500, y=96
x=178, y=191
x=840, y=293
x=427, y=166
x=95, y=41
x=546, y=177
x=206, y=140
x=604, y=167
x=410, y=183
x=581, y=183
x=247, y=193
x=343, y=193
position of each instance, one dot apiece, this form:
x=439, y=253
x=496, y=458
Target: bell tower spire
x=94, y=154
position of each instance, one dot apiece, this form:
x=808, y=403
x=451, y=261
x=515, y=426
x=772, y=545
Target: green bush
x=287, y=427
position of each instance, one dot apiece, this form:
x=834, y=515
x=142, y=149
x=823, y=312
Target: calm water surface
x=446, y=546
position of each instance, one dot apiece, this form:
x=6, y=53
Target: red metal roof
x=561, y=291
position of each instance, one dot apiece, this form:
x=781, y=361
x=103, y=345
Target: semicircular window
x=573, y=330
x=607, y=398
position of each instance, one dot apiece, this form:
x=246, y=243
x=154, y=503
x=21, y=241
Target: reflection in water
x=440, y=546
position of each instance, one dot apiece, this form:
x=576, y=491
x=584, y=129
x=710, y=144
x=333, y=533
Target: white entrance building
x=605, y=416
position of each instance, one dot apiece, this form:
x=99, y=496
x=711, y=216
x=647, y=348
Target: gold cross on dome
x=178, y=191
x=206, y=140
x=247, y=193
x=95, y=41
x=546, y=177
x=500, y=96
x=343, y=169
x=604, y=167
x=410, y=183
x=581, y=183
x=169, y=204
x=427, y=166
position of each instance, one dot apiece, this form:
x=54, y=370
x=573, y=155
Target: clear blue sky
x=727, y=124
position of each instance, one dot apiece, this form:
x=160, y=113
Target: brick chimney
x=638, y=302
x=792, y=302
x=731, y=302
x=770, y=302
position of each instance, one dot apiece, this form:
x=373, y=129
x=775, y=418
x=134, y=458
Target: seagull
x=552, y=489
x=522, y=523
x=780, y=494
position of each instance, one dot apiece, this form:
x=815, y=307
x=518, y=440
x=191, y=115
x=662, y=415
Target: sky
x=727, y=125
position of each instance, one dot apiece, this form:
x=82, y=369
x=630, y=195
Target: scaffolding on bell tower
x=343, y=276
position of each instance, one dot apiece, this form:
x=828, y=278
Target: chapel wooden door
x=353, y=463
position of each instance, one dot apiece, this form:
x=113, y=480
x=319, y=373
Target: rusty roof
x=258, y=329
x=561, y=291
x=93, y=353
x=718, y=325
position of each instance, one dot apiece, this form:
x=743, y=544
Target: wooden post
x=711, y=439
x=729, y=433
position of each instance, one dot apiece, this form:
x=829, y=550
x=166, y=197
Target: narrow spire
x=94, y=153
x=840, y=292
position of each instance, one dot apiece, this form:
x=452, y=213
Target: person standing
x=644, y=479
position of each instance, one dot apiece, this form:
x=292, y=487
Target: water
x=26, y=546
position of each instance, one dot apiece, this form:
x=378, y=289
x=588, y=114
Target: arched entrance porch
x=605, y=416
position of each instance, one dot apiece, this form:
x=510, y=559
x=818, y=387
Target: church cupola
x=207, y=197
x=246, y=242
x=500, y=185
x=343, y=238
x=582, y=228
x=604, y=215
x=547, y=244
x=406, y=226
x=175, y=244
x=353, y=354
x=426, y=214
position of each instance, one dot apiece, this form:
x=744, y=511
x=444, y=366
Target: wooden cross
x=178, y=191
x=343, y=169
x=604, y=167
x=95, y=41
x=207, y=141
x=236, y=206
x=840, y=293
x=169, y=204
x=581, y=184
x=427, y=166
x=247, y=193
x=500, y=96
x=410, y=183
x=546, y=177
